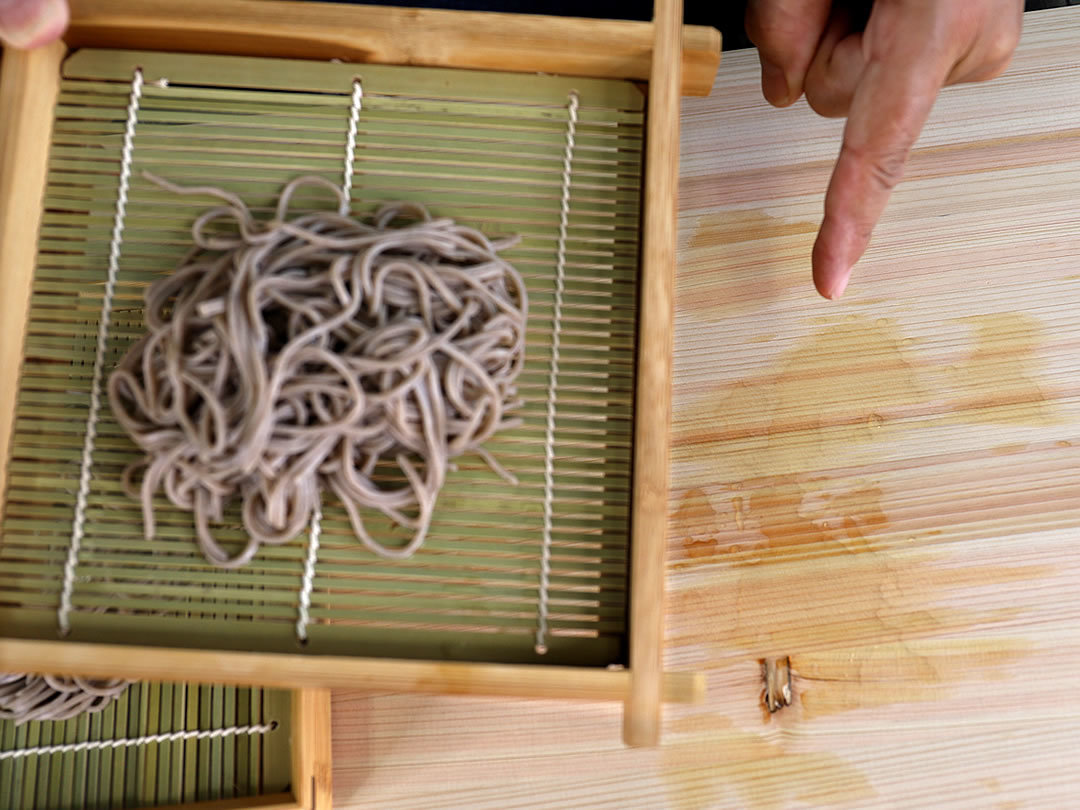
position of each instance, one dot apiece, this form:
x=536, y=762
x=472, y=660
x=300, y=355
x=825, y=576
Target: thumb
x=30, y=23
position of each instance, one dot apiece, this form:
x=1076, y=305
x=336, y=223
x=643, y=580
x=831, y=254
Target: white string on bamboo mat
x=350, y=143
x=553, y=376
x=309, y=574
x=304, y=617
x=133, y=742
x=79, y=522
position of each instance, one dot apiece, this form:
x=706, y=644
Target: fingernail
x=773, y=83
x=29, y=23
x=839, y=285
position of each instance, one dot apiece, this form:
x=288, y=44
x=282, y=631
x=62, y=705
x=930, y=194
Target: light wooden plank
x=407, y=36
x=312, y=767
x=28, y=85
x=652, y=399
x=269, y=669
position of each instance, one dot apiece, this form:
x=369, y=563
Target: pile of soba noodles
x=313, y=353
x=51, y=697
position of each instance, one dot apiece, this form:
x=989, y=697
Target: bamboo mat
x=153, y=773
x=484, y=148
x=883, y=490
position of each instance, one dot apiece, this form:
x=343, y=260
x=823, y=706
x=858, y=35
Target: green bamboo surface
x=486, y=149
x=152, y=774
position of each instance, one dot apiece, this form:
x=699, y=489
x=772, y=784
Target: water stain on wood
x=840, y=521
x=784, y=458
x=852, y=372
x=891, y=596
x=764, y=259
x=818, y=455
x=710, y=762
x=998, y=382
x=694, y=512
x=725, y=228
x=913, y=671
x=774, y=437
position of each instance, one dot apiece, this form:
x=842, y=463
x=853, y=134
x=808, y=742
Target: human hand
x=883, y=71
x=31, y=23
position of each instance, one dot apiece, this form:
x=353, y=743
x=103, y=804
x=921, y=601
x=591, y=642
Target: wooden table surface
x=882, y=490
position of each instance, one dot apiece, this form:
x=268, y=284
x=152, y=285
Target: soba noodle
x=50, y=697
x=305, y=354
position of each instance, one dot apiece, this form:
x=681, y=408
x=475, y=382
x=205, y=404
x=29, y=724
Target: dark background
x=725, y=15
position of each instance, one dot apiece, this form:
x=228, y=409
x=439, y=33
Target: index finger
x=891, y=103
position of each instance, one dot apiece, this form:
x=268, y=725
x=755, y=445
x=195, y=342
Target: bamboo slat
x=882, y=490
x=24, y=131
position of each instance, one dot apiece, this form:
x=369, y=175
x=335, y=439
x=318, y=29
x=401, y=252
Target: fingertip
x=833, y=288
x=32, y=23
x=832, y=267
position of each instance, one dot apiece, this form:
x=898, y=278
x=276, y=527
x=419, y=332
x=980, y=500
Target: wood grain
x=392, y=36
x=882, y=490
x=28, y=87
x=652, y=398
x=311, y=734
x=329, y=671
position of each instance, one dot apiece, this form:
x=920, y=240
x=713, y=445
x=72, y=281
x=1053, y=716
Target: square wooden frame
x=669, y=56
